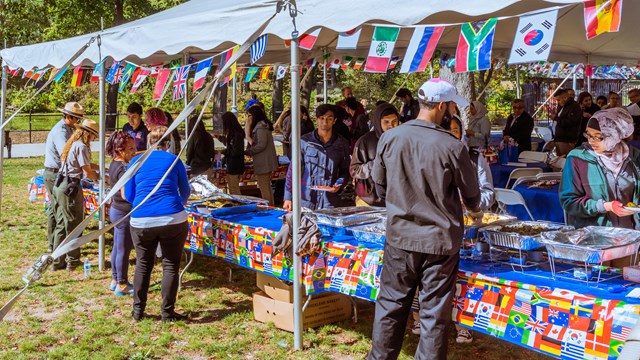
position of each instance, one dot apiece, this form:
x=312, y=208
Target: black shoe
x=175, y=317
x=137, y=316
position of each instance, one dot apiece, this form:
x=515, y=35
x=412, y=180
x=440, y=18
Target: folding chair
x=532, y=156
x=506, y=197
x=549, y=176
x=518, y=173
x=524, y=179
x=559, y=163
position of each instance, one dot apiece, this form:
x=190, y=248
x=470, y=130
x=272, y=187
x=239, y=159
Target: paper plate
x=634, y=209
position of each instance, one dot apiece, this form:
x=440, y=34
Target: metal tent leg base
x=185, y=269
x=355, y=310
x=306, y=303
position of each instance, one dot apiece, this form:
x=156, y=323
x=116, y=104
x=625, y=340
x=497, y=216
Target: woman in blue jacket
x=160, y=220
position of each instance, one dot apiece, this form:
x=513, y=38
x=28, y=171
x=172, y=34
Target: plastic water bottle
x=87, y=268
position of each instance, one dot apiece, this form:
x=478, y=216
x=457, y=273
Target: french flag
x=201, y=72
x=421, y=47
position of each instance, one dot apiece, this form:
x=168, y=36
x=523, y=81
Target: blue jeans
x=122, y=245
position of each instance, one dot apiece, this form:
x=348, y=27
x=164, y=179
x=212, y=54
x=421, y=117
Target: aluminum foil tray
x=348, y=216
x=370, y=233
x=500, y=235
x=328, y=230
x=472, y=231
x=592, y=244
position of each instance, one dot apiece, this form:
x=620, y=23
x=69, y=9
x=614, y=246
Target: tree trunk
x=112, y=92
x=277, y=105
x=307, y=87
x=463, y=83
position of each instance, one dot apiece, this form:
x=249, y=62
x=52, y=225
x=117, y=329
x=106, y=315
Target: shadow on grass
x=210, y=316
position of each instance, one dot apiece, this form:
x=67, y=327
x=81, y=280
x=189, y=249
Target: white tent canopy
x=207, y=27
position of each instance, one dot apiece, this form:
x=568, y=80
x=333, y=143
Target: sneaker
x=415, y=329
x=124, y=290
x=464, y=336
x=113, y=285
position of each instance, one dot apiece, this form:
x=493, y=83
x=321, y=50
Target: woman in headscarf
x=601, y=177
x=479, y=127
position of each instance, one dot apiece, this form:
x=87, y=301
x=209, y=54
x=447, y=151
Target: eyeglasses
x=594, y=138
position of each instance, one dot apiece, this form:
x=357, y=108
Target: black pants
x=435, y=278
x=171, y=239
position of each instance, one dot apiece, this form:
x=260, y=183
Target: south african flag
x=474, y=47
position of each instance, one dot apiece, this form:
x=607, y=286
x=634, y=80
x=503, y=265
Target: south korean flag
x=534, y=37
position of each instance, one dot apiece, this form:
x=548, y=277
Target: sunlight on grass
x=64, y=316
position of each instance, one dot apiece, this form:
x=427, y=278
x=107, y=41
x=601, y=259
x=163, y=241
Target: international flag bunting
x=180, y=82
x=201, y=73
x=348, y=40
x=306, y=41
x=258, y=48
x=335, y=63
x=533, y=37
x=382, y=44
x=264, y=73
x=251, y=72
x=57, y=74
x=162, y=77
x=474, y=47
x=224, y=58
x=602, y=16
x=27, y=74
x=111, y=77
x=76, y=79
x=393, y=62
x=346, y=61
x=359, y=62
x=126, y=75
x=95, y=75
x=311, y=62
x=14, y=72
x=421, y=48
x=39, y=75
x=139, y=79
x=282, y=71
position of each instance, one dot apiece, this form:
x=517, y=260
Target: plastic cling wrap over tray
x=348, y=216
x=521, y=235
x=592, y=244
x=370, y=233
x=471, y=227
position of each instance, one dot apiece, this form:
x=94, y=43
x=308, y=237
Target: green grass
x=65, y=317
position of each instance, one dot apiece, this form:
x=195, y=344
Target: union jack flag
x=459, y=302
x=180, y=82
x=535, y=325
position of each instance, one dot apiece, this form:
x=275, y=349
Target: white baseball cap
x=438, y=90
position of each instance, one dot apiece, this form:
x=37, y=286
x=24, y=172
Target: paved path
x=32, y=150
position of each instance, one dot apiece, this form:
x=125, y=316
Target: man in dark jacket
x=385, y=118
x=519, y=126
x=410, y=106
x=568, y=121
x=425, y=171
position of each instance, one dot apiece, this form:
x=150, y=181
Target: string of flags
x=531, y=46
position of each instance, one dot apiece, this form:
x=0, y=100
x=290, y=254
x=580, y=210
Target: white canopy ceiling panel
x=203, y=26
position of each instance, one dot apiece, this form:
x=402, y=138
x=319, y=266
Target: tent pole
x=518, y=81
x=234, y=98
x=103, y=127
x=324, y=76
x=3, y=104
x=296, y=173
x=585, y=72
x=574, y=85
x=185, y=60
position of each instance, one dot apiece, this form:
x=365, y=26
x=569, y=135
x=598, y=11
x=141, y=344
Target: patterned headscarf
x=616, y=124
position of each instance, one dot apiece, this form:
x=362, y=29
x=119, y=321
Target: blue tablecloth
x=543, y=202
x=500, y=173
x=536, y=143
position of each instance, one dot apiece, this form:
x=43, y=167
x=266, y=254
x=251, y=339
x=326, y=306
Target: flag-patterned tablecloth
x=542, y=315
x=38, y=192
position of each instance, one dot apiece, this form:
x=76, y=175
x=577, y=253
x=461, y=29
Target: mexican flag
x=382, y=44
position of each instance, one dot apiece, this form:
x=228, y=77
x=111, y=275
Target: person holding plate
x=325, y=159
x=601, y=177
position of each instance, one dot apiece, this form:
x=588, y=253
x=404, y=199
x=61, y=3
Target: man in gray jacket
x=425, y=171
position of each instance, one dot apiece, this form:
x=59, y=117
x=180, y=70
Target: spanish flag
x=76, y=79
x=602, y=16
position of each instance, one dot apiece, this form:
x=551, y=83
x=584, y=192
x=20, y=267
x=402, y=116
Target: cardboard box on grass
x=324, y=308
x=276, y=288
